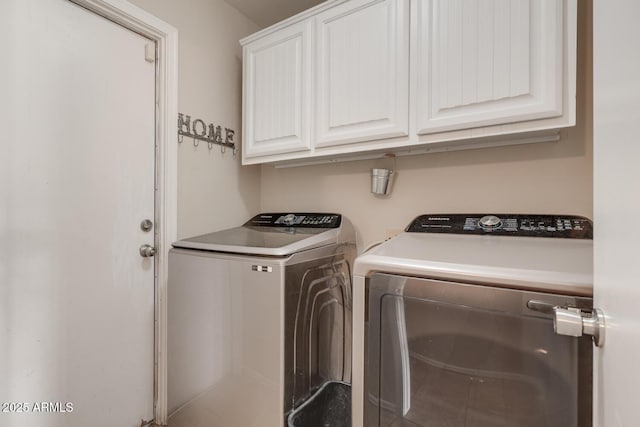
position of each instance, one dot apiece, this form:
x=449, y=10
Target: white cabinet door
x=362, y=72
x=486, y=63
x=277, y=85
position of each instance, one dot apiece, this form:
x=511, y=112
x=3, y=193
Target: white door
x=76, y=180
x=617, y=209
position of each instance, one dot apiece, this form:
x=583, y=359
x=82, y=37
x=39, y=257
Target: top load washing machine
x=454, y=323
x=259, y=317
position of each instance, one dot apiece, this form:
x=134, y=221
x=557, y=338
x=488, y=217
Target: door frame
x=166, y=163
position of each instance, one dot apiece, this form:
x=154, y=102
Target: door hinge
x=150, y=52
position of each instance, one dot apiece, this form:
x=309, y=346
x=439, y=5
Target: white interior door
x=76, y=179
x=617, y=209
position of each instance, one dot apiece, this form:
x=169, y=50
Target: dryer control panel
x=564, y=226
x=305, y=220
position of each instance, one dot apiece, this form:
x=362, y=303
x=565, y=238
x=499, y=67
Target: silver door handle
x=147, y=251
x=575, y=323
x=572, y=321
x=540, y=306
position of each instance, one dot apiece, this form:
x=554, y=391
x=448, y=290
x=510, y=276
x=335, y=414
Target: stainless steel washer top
x=275, y=234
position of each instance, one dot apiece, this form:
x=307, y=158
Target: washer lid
x=271, y=234
x=552, y=265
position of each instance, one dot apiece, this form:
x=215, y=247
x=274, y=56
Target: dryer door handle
x=540, y=306
x=573, y=321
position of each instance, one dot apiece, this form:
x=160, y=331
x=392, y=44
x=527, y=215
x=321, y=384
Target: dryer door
x=441, y=353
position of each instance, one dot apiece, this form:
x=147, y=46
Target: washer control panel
x=565, y=226
x=306, y=220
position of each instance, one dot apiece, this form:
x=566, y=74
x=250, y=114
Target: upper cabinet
x=362, y=64
x=363, y=77
x=277, y=92
x=486, y=63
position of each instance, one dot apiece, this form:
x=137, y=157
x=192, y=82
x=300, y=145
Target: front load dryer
x=259, y=318
x=454, y=323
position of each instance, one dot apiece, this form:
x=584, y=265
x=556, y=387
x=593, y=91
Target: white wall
x=214, y=191
x=551, y=177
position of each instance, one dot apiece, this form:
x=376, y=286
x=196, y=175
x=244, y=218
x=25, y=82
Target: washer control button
x=490, y=222
x=289, y=219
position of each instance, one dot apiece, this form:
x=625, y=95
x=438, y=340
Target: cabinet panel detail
x=362, y=80
x=276, y=93
x=489, y=62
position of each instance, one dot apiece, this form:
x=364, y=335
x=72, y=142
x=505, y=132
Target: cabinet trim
x=302, y=16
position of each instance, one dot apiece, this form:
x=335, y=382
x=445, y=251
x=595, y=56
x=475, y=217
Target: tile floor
x=220, y=406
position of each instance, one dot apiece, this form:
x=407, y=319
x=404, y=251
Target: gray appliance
x=455, y=323
x=268, y=307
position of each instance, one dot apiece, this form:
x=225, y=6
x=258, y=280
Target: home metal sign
x=200, y=131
